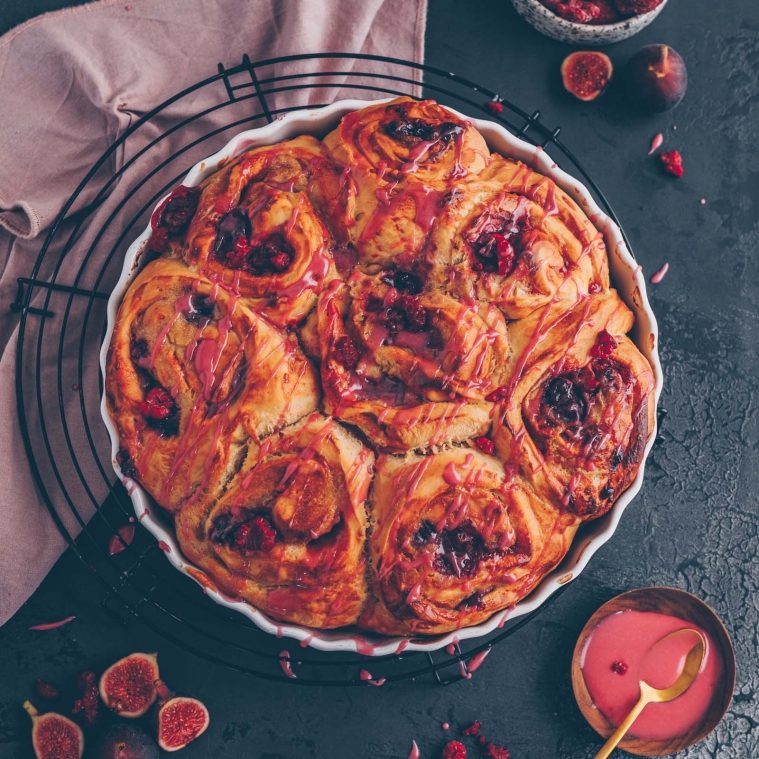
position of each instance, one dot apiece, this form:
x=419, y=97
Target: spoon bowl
x=677, y=603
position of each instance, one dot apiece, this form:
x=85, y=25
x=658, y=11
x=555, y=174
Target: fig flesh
x=657, y=77
x=179, y=719
x=127, y=688
x=126, y=742
x=586, y=74
x=54, y=736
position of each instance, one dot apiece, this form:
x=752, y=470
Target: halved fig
x=126, y=742
x=54, y=736
x=127, y=688
x=179, y=719
x=586, y=74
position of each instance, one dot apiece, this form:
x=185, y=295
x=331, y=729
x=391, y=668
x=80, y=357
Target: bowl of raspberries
x=589, y=22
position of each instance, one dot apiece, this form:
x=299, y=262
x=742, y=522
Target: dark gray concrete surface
x=693, y=526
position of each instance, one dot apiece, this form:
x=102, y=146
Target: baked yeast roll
x=451, y=543
x=398, y=160
x=410, y=368
x=511, y=237
x=256, y=229
x=579, y=407
x=191, y=374
x=288, y=536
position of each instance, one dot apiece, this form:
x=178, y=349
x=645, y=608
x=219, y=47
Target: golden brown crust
x=397, y=291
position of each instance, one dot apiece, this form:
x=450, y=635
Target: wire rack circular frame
x=62, y=309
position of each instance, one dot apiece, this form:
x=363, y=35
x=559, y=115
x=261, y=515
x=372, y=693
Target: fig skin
x=124, y=741
x=167, y=703
x=126, y=687
x=657, y=77
x=586, y=74
x=55, y=736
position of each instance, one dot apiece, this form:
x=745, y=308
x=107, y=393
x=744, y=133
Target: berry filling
x=485, y=444
x=619, y=667
x=256, y=535
x=159, y=410
x=173, y=216
x=459, y=551
x=492, y=244
x=233, y=229
x=406, y=313
x=346, y=353
x=201, y=307
x=605, y=345
x=475, y=601
x=409, y=132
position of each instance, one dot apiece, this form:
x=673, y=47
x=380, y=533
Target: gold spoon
x=649, y=695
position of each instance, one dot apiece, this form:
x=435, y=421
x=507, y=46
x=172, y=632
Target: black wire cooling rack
x=62, y=315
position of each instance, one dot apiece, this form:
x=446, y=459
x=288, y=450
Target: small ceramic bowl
x=677, y=603
x=548, y=23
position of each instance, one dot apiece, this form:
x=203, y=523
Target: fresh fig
x=657, y=77
x=179, y=719
x=54, y=736
x=586, y=74
x=126, y=687
x=126, y=742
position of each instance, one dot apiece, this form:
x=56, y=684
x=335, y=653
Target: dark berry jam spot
x=607, y=492
x=232, y=227
x=126, y=463
x=138, y=350
x=459, y=551
x=160, y=412
x=410, y=131
x=616, y=458
x=425, y=533
x=485, y=444
x=594, y=288
x=619, y=667
x=565, y=401
x=404, y=281
x=200, y=307
x=346, y=352
x=475, y=601
x=492, y=244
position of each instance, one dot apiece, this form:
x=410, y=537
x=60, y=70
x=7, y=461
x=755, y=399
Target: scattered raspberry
x=258, y=535
x=495, y=752
x=619, y=667
x=157, y=405
x=46, y=690
x=346, y=352
x=473, y=729
x=485, y=444
x=497, y=395
x=604, y=347
x=239, y=253
x=607, y=12
x=454, y=750
x=495, y=107
x=672, y=162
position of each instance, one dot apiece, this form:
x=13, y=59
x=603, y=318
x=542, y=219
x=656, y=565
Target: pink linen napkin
x=71, y=83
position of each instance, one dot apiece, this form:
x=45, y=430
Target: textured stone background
x=693, y=526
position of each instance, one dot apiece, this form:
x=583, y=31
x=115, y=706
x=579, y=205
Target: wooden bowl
x=676, y=603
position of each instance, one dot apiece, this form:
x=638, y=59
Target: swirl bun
x=378, y=380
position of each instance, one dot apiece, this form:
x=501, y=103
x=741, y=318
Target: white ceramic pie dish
x=626, y=277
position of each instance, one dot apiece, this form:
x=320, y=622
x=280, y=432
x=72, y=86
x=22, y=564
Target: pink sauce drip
x=164, y=546
x=367, y=677
x=462, y=671
x=638, y=270
x=656, y=143
x=126, y=535
x=414, y=751
x=476, y=661
x=633, y=639
x=659, y=276
x=450, y=649
x=402, y=646
x=284, y=662
x=53, y=625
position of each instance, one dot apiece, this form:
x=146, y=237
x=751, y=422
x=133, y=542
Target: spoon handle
x=624, y=726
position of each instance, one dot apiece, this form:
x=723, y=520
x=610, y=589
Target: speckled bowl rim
x=626, y=276
x=635, y=23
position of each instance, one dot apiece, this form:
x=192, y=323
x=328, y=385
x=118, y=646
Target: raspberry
x=280, y=261
x=473, y=729
x=497, y=395
x=605, y=345
x=239, y=253
x=619, y=667
x=157, y=405
x=495, y=107
x=46, y=690
x=636, y=7
x=485, y=444
x=672, y=163
x=346, y=352
x=89, y=703
x=578, y=11
x=454, y=750
x=415, y=313
x=257, y=535
x=505, y=255
x=495, y=752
